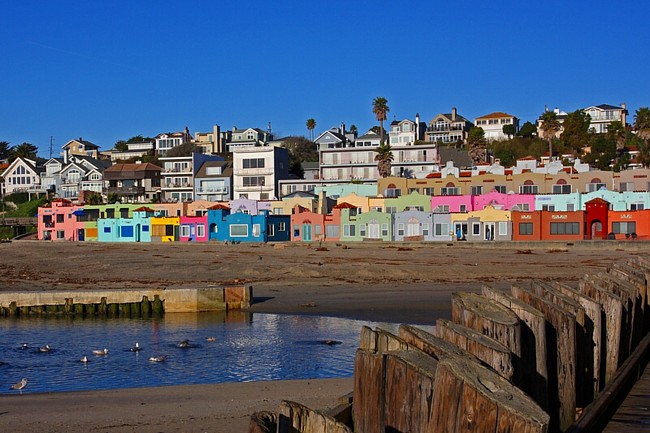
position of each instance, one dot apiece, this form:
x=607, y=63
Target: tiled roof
x=345, y=205
x=495, y=115
x=219, y=206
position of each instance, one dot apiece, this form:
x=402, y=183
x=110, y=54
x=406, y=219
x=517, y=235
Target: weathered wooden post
x=68, y=307
x=157, y=307
x=146, y=307
x=534, y=372
x=24, y=310
x=79, y=309
x=113, y=309
x=136, y=310
x=90, y=309
x=369, y=396
x=103, y=307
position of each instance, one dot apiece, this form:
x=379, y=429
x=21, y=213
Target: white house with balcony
x=249, y=137
x=169, y=140
x=23, y=175
x=257, y=170
x=493, y=123
x=406, y=132
x=448, y=128
x=177, y=175
x=603, y=115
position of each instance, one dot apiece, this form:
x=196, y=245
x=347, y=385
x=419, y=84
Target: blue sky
x=110, y=70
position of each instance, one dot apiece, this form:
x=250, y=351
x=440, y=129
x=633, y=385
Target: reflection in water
x=222, y=347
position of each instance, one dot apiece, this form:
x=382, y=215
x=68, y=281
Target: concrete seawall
x=203, y=299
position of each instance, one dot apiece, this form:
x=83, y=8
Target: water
x=247, y=347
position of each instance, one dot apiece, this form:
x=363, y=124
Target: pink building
x=451, y=203
x=522, y=202
x=194, y=229
x=306, y=226
x=58, y=221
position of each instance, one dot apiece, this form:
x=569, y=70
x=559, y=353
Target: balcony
x=259, y=188
x=129, y=190
x=444, y=128
x=253, y=172
x=177, y=170
x=222, y=190
x=178, y=185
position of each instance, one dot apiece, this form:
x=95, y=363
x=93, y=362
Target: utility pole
x=51, y=143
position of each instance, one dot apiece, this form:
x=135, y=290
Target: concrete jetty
x=126, y=302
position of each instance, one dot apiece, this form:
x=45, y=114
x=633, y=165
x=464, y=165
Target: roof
x=132, y=167
x=459, y=118
x=86, y=143
x=459, y=157
x=605, y=107
x=345, y=205
x=496, y=115
x=143, y=209
x=369, y=135
x=219, y=206
x=309, y=165
x=226, y=169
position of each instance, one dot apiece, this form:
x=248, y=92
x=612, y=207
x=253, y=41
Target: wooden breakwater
x=543, y=357
x=124, y=302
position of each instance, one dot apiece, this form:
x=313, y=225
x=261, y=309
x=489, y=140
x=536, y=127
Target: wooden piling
x=68, y=307
x=136, y=310
x=113, y=309
x=146, y=307
x=79, y=309
x=24, y=311
x=13, y=309
x=103, y=308
x=369, y=396
x=157, y=308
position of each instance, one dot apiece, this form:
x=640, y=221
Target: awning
x=79, y=212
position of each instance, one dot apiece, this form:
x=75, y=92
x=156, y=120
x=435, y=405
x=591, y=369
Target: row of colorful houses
x=489, y=220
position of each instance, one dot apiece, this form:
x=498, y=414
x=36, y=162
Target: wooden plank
x=534, y=373
x=637, y=279
x=430, y=344
x=561, y=357
x=488, y=350
x=593, y=328
x=472, y=398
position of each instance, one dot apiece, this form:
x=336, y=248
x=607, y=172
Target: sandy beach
x=399, y=283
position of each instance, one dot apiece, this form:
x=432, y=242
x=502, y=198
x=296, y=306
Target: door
x=80, y=234
x=596, y=230
x=488, y=231
x=306, y=232
x=373, y=230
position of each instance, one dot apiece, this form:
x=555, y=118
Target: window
x=442, y=229
x=60, y=218
x=425, y=229
x=282, y=226
x=349, y=230
x=253, y=163
x=392, y=192
x=522, y=207
x=200, y=230
x=637, y=206
x=565, y=228
x=270, y=230
x=561, y=189
x=528, y=188
x=476, y=229
x=362, y=230
x=525, y=228
x=500, y=188
x=332, y=231
x=450, y=191
x=463, y=208
x=60, y=234
x=400, y=229
x=318, y=229
x=412, y=190
x=442, y=208
x=548, y=207
x=185, y=230
x=384, y=230
x=107, y=229
x=253, y=181
x=477, y=190
x=296, y=231
x=427, y=191
x=256, y=230
x=239, y=230
x=503, y=228
x=570, y=207
x=595, y=185
x=277, y=211
x=624, y=227
x=391, y=209
x=626, y=186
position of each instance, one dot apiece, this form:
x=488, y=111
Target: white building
x=257, y=170
x=493, y=124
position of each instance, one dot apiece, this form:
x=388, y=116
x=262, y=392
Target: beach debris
x=45, y=349
x=309, y=305
x=160, y=358
x=84, y=359
x=19, y=386
x=100, y=352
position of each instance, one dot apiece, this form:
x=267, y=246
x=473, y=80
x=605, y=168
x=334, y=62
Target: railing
x=213, y=190
x=253, y=171
x=178, y=170
x=129, y=190
x=178, y=185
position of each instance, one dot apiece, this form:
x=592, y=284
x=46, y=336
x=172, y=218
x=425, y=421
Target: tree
x=384, y=159
x=509, y=130
x=576, y=133
x=311, y=124
x=354, y=129
x=123, y=145
x=5, y=150
x=380, y=108
x=550, y=126
x=527, y=130
x=476, y=144
x=603, y=152
x=642, y=123
x=185, y=149
x=617, y=133
x=300, y=150
x=24, y=150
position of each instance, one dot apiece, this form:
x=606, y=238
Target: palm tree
x=477, y=145
x=616, y=132
x=550, y=126
x=642, y=122
x=24, y=150
x=380, y=108
x=384, y=159
x=311, y=124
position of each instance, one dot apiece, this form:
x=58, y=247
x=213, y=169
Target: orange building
x=548, y=226
x=629, y=224
x=527, y=226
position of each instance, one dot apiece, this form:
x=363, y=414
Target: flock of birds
x=184, y=344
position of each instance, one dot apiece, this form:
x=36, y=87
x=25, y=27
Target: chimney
x=453, y=114
x=417, y=126
x=342, y=128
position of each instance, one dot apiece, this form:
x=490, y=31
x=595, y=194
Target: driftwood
x=533, y=373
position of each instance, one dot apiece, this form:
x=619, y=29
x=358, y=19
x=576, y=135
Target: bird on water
x=136, y=348
x=184, y=344
x=19, y=386
x=160, y=358
x=101, y=352
x=84, y=359
x=45, y=349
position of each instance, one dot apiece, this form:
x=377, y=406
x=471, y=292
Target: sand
x=399, y=283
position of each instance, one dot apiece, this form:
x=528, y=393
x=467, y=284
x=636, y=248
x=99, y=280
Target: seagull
x=136, y=348
x=184, y=344
x=19, y=385
x=160, y=358
x=100, y=352
x=84, y=359
x=24, y=346
x=45, y=349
